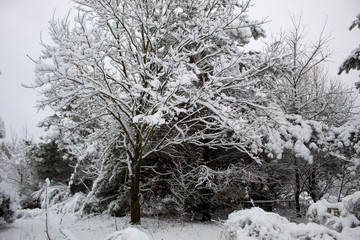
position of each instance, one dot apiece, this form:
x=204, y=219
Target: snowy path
x=98, y=227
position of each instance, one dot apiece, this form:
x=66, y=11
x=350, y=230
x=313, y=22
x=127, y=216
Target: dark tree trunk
x=206, y=154
x=341, y=187
x=297, y=190
x=135, y=195
x=312, y=187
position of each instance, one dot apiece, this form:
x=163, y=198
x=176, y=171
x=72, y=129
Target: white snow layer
x=128, y=234
x=70, y=226
x=65, y=223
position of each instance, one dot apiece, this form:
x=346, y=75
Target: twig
x=47, y=183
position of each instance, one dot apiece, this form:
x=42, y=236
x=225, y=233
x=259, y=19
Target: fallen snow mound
x=128, y=234
x=255, y=223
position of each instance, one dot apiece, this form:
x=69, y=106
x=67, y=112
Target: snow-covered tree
x=301, y=83
x=352, y=61
x=312, y=104
x=155, y=74
x=182, y=181
x=16, y=168
x=2, y=128
x=50, y=163
x=70, y=147
x=345, y=144
x=8, y=196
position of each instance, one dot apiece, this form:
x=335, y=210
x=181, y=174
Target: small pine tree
x=49, y=162
x=7, y=210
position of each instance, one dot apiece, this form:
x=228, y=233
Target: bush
x=255, y=223
x=56, y=194
x=351, y=205
x=7, y=206
x=337, y=215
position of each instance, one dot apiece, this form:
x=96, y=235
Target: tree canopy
x=128, y=80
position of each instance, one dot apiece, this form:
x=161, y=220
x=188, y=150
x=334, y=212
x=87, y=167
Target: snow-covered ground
x=32, y=227
x=65, y=223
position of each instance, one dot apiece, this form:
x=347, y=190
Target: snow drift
x=128, y=234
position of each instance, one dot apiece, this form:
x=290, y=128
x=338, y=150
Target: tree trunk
x=341, y=187
x=312, y=187
x=206, y=154
x=297, y=190
x=135, y=195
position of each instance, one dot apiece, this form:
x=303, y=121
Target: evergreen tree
x=50, y=162
x=353, y=61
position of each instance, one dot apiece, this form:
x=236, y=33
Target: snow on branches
x=293, y=133
x=159, y=65
x=345, y=141
x=136, y=77
x=153, y=74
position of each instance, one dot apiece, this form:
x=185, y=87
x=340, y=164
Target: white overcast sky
x=22, y=21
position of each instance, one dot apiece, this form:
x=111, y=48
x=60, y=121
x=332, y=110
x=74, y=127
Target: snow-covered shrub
x=119, y=207
x=351, y=204
x=70, y=205
x=7, y=205
x=17, y=170
x=7, y=212
x=109, y=191
x=73, y=204
x=115, y=203
x=29, y=213
x=55, y=194
x=59, y=199
x=154, y=206
x=255, y=223
x=336, y=215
